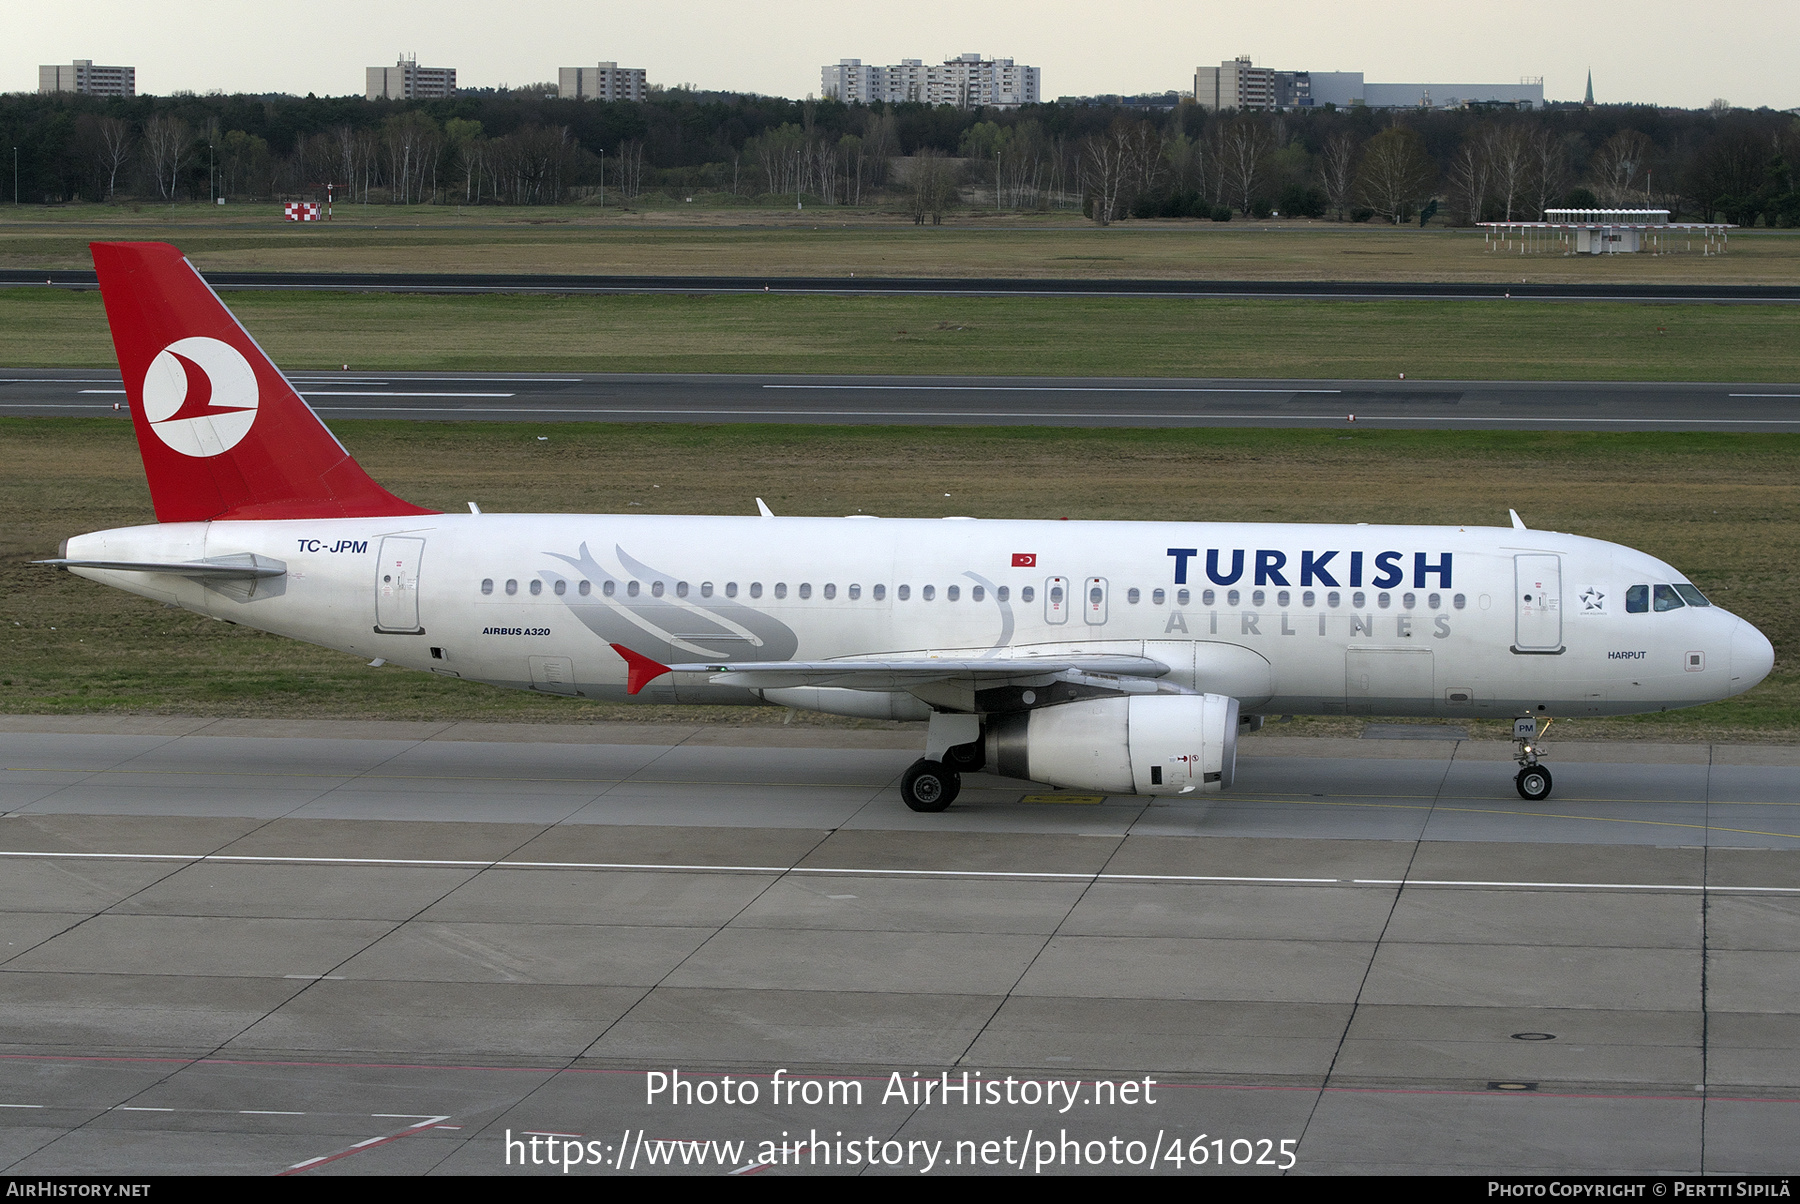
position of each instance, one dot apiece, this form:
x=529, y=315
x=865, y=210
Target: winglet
x=642, y=670
x=1518, y=523
x=762, y=509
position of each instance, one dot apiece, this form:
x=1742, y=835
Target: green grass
x=1721, y=507
x=1485, y=340
x=679, y=239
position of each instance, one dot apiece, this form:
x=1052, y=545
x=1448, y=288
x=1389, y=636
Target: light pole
x=15, y=177
x=603, y=177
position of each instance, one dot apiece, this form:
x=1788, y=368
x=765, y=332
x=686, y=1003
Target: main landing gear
x=1534, y=780
x=929, y=785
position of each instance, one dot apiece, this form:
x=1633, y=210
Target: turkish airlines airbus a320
x=1121, y=657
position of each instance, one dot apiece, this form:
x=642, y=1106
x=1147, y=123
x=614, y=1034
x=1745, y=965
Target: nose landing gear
x=1533, y=781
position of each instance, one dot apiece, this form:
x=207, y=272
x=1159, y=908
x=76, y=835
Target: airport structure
x=1606, y=232
x=406, y=80
x=967, y=81
x=84, y=77
x=1240, y=84
x=607, y=81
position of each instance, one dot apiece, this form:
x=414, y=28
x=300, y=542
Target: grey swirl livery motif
x=668, y=627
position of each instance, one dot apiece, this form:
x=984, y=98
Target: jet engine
x=1139, y=744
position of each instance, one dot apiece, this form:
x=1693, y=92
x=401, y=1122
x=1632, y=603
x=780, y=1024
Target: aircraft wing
x=1125, y=673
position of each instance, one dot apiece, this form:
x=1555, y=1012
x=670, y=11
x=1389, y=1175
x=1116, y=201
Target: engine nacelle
x=1140, y=744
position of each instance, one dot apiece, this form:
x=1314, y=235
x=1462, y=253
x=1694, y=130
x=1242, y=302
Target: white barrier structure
x=1606, y=232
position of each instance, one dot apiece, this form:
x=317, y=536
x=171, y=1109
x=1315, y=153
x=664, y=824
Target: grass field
x=1721, y=507
x=1465, y=340
x=677, y=240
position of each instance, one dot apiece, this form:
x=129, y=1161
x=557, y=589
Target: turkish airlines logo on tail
x=200, y=396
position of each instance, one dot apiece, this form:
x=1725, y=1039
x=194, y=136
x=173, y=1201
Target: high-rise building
x=84, y=77
x=608, y=81
x=1236, y=84
x=967, y=81
x=406, y=80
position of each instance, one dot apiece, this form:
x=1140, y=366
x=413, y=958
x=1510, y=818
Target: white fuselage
x=1316, y=619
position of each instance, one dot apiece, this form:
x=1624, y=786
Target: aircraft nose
x=1752, y=656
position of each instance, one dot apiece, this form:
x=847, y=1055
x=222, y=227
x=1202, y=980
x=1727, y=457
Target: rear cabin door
x=397, y=585
x=1537, y=597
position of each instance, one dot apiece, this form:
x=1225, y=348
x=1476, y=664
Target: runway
x=474, y=283
x=979, y=401
x=312, y=948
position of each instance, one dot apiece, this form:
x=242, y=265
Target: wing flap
x=885, y=674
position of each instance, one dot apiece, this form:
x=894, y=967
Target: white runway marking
x=863, y=872
x=1047, y=389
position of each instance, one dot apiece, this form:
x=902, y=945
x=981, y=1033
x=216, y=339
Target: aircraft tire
x=1533, y=783
x=929, y=785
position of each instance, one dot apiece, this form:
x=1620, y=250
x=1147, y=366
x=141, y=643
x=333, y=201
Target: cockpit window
x=1637, y=599
x=1668, y=599
x=1690, y=595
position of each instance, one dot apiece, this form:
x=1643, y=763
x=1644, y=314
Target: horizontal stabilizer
x=241, y=566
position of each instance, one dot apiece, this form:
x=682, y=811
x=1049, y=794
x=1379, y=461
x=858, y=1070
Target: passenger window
x=1056, y=594
x=1026, y=593
x=756, y=589
x=855, y=592
x=1408, y=601
x=1158, y=597
x=631, y=589
x=1281, y=599
x=977, y=594
x=706, y=589
x=928, y=593
x=1358, y=600
x=561, y=588
x=1003, y=593
x=1460, y=601
x=1690, y=595
x=781, y=589
x=952, y=593
x=806, y=589
x=512, y=587
x=537, y=587
x=656, y=589
x=1256, y=598
x=830, y=591
x=1383, y=599
x=1334, y=599
x=585, y=588
x=1231, y=597
x=681, y=588
x=880, y=593
x=731, y=589
x=609, y=589
x=1435, y=601
x=487, y=585
x=903, y=592
x=1668, y=599
x=1132, y=595
x=1206, y=597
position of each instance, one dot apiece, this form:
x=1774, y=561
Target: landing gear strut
x=1534, y=780
x=929, y=785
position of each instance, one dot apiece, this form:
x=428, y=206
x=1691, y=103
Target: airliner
x=1112, y=657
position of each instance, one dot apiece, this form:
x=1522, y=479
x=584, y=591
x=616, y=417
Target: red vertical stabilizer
x=222, y=433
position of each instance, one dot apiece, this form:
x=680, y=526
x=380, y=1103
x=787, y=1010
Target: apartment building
x=87, y=78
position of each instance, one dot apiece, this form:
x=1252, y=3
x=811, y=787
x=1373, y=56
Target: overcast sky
x=1667, y=52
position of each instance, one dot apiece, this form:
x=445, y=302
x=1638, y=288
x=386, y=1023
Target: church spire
x=1589, y=102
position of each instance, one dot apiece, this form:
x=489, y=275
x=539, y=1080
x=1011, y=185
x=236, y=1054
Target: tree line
x=526, y=146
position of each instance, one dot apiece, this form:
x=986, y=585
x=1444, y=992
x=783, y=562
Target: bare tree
x=105, y=144
x=1509, y=157
x=1248, y=143
x=1549, y=170
x=1395, y=172
x=167, y=141
x=1470, y=173
x=1617, y=165
x=933, y=186
x=1337, y=168
x=1104, y=163
x=631, y=168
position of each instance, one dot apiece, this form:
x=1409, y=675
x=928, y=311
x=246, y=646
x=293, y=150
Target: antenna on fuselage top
x=1518, y=523
x=762, y=508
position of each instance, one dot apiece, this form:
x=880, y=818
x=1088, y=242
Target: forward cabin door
x=1537, y=598
x=397, y=585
